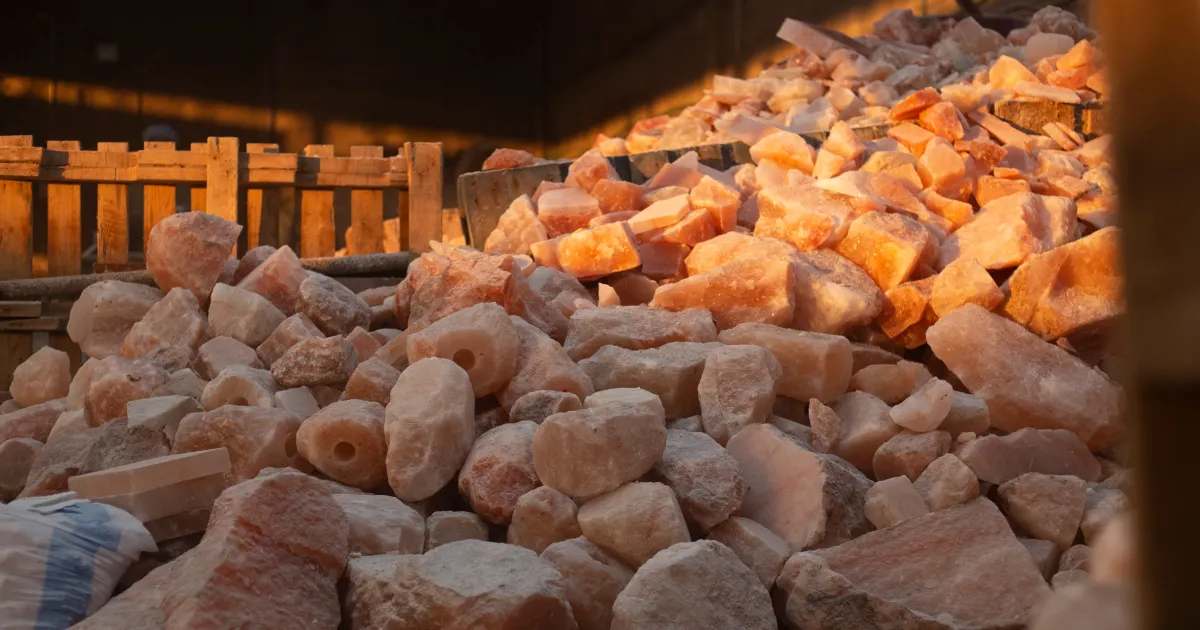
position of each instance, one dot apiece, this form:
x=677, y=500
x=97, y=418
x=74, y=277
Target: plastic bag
x=60, y=558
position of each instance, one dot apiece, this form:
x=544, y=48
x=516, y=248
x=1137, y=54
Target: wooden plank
x=20, y=308
x=262, y=205
x=158, y=202
x=199, y=196
x=14, y=349
x=317, y=236
x=37, y=323
x=112, y=215
x=64, y=234
x=366, y=212
x=16, y=141
x=424, y=194
x=484, y=196
x=16, y=230
x=221, y=196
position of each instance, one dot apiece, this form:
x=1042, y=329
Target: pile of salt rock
x=799, y=396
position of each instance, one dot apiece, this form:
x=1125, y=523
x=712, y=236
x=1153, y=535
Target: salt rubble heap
x=866, y=390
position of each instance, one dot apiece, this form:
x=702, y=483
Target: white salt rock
x=947, y=482
x=892, y=501
x=926, y=408
x=625, y=395
x=105, y=312
x=759, y=549
x=706, y=480
x=865, y=425
x=517, y=229
x=1044, y=45
x=44, y=376
x=737, y=389
x=443, y=528
x=298, y=400
x=381, y=524
x=218, y=353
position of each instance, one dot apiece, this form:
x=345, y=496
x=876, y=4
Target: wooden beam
x=158, y=201
x=35, y=324
x=112, y=212
x=199, y=196
x=1153, y=148
x=21, y=308
x=64, y=234
x=366, y=211
x=317, y=236
x=424, y=194
x=16, y=229
x=221, y=196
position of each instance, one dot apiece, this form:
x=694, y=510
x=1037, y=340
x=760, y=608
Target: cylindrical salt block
x=480, y=339
x=345, y=441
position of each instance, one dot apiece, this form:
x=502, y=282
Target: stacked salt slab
x=812, y=393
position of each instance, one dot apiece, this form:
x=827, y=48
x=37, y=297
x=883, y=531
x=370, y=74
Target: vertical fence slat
x=366, y=212
x=64, y=236
x=424, y=193
x=16, y=256
x=198, y=194
x=221, y=196
x=317, y=237
x=262, y=207
x=158, y=201
x=112, y=216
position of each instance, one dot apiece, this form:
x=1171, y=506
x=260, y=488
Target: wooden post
x=158, y=201
x=317, y=237
x=112, y=216
x=1154, y=145
x=262, y=207
x=63, y=235
x=16, y=256
x=366, y=212
x=199, y=195
x=221, y=196
x=424, y=193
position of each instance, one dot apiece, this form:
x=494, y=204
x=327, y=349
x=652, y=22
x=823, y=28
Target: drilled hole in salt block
x=289, y=447
x=344, y=451
x=465, y=359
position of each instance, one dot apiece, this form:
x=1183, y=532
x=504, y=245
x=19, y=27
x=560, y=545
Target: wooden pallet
x=484, y=196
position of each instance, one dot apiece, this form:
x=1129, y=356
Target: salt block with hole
x=345, y=441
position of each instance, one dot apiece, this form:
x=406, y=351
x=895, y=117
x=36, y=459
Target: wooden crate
x=243, y=184
x=485, y=195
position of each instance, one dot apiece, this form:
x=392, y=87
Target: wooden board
x=64, y=234
x=112, y=215
x=20, y=308
x=366, y=212
x=221, y=193
x=1031, y=115
x=16, y=229
x=14, y=349
x=424, y=194
x=34, y=324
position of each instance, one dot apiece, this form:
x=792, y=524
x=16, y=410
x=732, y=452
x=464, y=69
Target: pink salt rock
x=672, y=372
x=345, y=441
x=635, y=328
x=902, y=166
x=892, y=501
x=942, y=119
x=34, y=422
x=1000, y=130
x=617, y=196
x=114, y=383
x=875, y=233
x=278, y=279
x=1069, y=288
x=825, y=424
x=925, y=408
x=706, y=480
x=735, y=246
x=298, y=400
x=538, y=405
x=566, y=210
x=316, y=361
x=365, y=344
x=737, y=389
x=588, y=169
x=605, y=219
x=691, y=585
x=372, y=380
x=499, y=470
x=832, y=294
x=592, y=451
x=1026, y=381
x=719, y=199
x=750, y=290
x=968, y=414
x=176, y=321
x=478, y=584
x=1049, y=507
x=1009, y=230
x=44, y=376
x=229, y=270
x=787, y=149
x=805, y=498
x=989, y=189
x=632, y=289
x=658, y=194
x=941, y=167
x=634, y=522
x=606, y=296
x=240, y=385
x=959, y=552
x=545, y=187
x=958, y=213
x=911, y=136
x=598, y=251
x=183, y=382
x=663, y=261
x=888, y=382
x=381, y=525
x=542, y=364
x=906, y=312
x=660, y=214
x=189, y=250
x=814, y=365
x=480, y=339
x=1045, y=92
x=501, y=159
x=593, y=580
x=865, y=426
x=908, y=454
x=443, y=528
x=1007, y=72
x=542, y=517
x=335, y=309
x=256, y=438
x=219, y=353
x=912, y=105
x=242, y=315
x=16, y=460
x=694, y=228
x=251, y=260
x=282, y=536
x=844, y=143
x=291, y=331
x=805, y=216
x=756, y=546
x=997, y=459
x=430, y=426
x=947, y=482
x=964, y=281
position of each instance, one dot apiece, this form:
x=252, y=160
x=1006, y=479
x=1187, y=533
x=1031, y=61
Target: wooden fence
x=248, y=185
